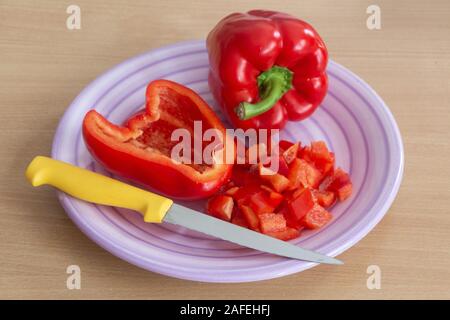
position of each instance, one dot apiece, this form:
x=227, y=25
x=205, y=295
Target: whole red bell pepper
x=266, y=68
x=141, y=149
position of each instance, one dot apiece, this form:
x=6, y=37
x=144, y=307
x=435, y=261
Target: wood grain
x=43, y=66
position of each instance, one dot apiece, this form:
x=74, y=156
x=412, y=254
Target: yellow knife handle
x=93, y=187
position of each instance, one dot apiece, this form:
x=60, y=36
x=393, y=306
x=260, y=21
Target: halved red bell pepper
x=266, y=68
x=141, y=149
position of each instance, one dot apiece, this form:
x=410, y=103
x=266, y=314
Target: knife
x=96, y=188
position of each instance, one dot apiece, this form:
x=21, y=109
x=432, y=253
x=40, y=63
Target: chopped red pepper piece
x=339, y=183
x=243, y=194
x=267, y=188
x=291, y=153
x=221, y=207
x=283, y=167
x=285, y=144
x=238, y=218
x=241, y=176
x=232, y=191
x=275, y=198
x=300, y=205
x=316, y=218
x=276, y=180
x=250, y=217
x=259, y=203
x=324, y=198
x=303, y=174
x=264, y=202
x=345, y=192
x=272, y=222
x=239, y=221
x=319, y=155
x=253, y=153
x=285, y=235
x=319, y=150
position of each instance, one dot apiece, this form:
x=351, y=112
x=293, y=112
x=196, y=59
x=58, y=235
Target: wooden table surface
x=43, y=66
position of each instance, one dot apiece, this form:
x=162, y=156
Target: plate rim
x=122, y=253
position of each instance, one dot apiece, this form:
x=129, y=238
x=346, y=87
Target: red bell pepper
x=266, y=68
x=141, y=149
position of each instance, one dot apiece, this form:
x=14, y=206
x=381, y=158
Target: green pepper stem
x=272, y=85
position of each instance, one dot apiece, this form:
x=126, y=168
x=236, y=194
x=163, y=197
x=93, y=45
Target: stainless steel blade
x=198, y=221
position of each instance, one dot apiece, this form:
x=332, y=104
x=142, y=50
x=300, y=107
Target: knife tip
x=330, y=260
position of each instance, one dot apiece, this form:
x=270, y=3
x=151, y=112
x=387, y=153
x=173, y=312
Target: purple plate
x=353, y=120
